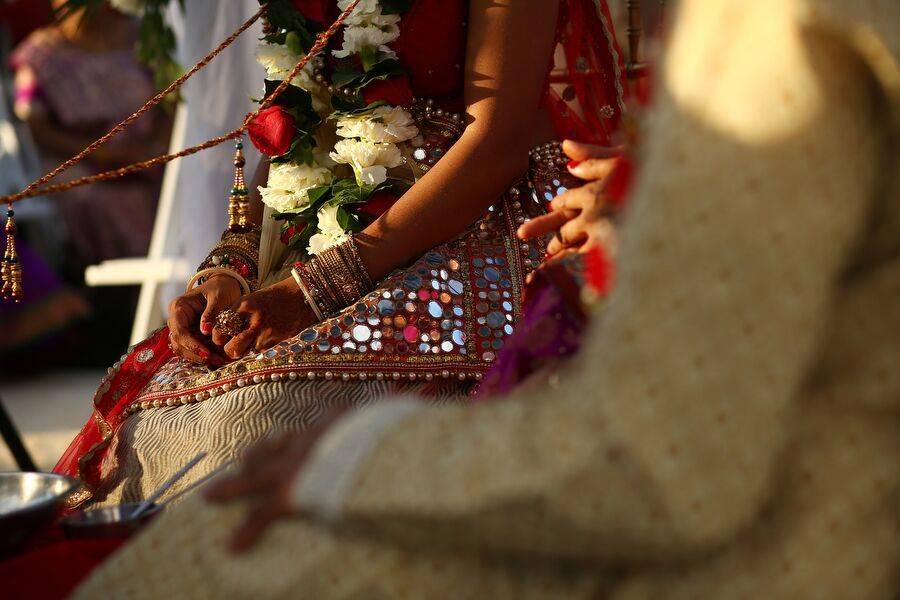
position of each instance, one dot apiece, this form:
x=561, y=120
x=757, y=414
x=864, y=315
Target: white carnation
x=288, y=186
x=330, y=231
x=384, y=124
x=278, y=60
x=368, y=12
x=383, y=22
x=129, y=7
x=368, y=36
x=328, y=221
x=364, y=7
x=370, y=160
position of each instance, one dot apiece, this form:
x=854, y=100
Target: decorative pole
x=634, y=37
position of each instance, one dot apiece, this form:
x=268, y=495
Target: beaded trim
x=214, y=391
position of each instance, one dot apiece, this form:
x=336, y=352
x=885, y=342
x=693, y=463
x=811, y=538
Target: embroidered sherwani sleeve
x=662, y=436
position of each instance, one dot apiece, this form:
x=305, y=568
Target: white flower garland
x=369, y=141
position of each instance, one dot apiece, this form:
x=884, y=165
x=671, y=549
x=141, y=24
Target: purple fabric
x=550, y=329
x=84, y=88
x=38, y=280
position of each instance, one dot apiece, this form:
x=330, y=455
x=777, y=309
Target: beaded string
x=11, y=270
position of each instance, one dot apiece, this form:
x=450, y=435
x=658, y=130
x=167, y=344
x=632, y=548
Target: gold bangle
x=218, y=271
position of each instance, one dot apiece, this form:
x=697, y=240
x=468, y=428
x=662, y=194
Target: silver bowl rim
x=74, y=484
x=83, y=519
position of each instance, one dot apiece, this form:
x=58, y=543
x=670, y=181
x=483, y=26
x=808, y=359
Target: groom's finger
x=248, y=481
x=544, y=224
x=578, y=151
x=594, y=169
x=254, y=525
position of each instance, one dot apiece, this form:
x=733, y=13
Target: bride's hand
x=192, y=316
x=270, y=315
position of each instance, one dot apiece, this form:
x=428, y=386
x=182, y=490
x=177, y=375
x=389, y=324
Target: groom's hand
x=266, y=475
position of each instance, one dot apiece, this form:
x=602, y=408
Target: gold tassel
x=238, y=201
x=11, y=271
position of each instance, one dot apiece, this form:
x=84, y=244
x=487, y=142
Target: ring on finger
x=230, y=322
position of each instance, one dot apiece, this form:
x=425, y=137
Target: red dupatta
x=586, y=89
x=122, y=384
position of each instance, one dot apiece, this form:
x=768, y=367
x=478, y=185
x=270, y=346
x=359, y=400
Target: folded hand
x=269, y=316
x=191, y=319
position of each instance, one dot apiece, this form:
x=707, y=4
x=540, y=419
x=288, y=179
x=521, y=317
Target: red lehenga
x=433, y=328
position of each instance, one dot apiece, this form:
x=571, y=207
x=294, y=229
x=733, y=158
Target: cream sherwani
x=731, y=428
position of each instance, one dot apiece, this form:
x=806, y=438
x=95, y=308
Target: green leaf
x=319, y=193
x=345, y=77
x=346, y=105
x=293, y=42
x=369, y=57
x=395, y=7
x=281, y=14
x=276, y=38
x=380, y=72
x=348, y=221
x=301, y=241
x=297, y=153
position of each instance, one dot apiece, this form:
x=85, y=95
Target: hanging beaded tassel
x=11, y=271
x=239, y=202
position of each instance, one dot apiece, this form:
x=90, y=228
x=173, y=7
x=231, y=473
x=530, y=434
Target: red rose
x=314, y=10
x=290, y=231
x=272, y=131
x=395, y=91
x=377, y=203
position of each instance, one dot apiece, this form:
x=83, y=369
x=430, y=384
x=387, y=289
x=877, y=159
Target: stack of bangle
x=237, y=254
x=333, y=280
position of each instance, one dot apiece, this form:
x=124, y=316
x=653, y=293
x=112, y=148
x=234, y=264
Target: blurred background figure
x=73, y=80
x=63, y=85
x=52, y=307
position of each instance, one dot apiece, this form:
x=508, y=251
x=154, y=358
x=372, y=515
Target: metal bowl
x=107, y=522
x=28, y=503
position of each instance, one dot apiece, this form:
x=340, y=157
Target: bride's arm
x=509, y=47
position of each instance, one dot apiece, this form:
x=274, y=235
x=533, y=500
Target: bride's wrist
x=333, y=280
x=224, y=280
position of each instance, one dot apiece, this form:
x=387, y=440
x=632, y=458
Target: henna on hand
x=271, y=315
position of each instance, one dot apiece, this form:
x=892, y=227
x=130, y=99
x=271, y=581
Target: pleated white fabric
x=153, y=444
